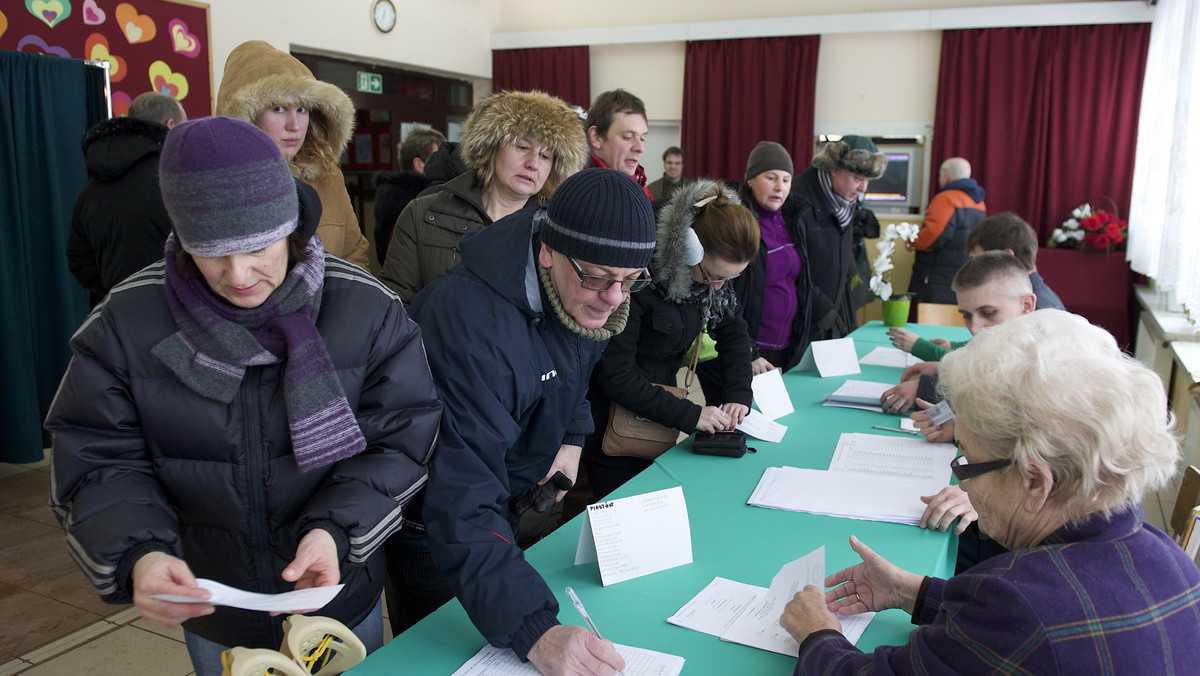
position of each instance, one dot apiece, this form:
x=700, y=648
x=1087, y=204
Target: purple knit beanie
x=226, y=187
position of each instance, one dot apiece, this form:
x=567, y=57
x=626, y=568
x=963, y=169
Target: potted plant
x=895, y=306
x=1090, y=229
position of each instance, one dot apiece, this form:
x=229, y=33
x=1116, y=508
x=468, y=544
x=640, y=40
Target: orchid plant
x=881, y=281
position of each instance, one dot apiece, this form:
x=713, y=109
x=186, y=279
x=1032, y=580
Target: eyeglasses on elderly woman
x=963, y=469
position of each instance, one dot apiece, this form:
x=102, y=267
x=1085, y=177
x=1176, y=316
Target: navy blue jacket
x=513, y=381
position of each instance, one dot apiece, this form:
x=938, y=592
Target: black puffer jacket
x=830, y=257
x=141, y=463
x=393, y=191
x=119, y=224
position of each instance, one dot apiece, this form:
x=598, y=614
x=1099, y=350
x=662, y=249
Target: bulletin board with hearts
x=159, y=45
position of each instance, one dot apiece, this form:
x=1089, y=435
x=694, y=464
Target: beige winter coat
x=257, y=77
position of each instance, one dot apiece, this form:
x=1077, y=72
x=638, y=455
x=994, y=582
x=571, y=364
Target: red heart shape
x=162, y=86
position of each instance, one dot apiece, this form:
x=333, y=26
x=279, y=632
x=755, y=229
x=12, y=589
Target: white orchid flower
x=885, y=247
x=889, y=233
x=908, y=231
x=881, y=288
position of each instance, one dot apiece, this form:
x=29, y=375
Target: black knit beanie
x=603, y=217
x=768, y=156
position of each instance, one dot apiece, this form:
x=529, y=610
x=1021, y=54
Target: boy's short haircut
x=607, y=105
x=1006, y=230
x=991, y=266
x=675, y=150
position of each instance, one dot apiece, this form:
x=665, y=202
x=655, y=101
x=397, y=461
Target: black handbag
x=731, y=444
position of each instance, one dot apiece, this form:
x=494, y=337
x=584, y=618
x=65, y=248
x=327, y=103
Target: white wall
x=441, y=36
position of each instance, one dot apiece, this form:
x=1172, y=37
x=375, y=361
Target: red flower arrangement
x=1097, y=230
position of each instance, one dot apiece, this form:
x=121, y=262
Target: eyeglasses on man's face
x=597, y=283
x=964, y=470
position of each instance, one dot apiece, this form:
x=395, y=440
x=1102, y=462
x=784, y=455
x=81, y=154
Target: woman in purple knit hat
x=249, y=410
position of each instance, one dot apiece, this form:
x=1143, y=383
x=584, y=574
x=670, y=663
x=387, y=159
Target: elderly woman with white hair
x=1061, y=435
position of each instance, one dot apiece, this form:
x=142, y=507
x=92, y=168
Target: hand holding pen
x=586, y=618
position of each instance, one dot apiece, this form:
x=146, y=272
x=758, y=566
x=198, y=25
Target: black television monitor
x=898, y=190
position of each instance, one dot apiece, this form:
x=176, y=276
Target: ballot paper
x=760, y=426
x=313, y=598
x=871, y=477
x=770, y=394
x=746, y=614
x=862, y=394
x=890, y=356
x=831, y=358
x=493, y=661
x=635, y=536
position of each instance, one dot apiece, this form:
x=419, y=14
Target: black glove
x=540, y=496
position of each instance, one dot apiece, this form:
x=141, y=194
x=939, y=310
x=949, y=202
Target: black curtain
x=46, y=105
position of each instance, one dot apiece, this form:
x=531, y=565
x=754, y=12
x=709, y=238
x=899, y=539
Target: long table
x=730, y=539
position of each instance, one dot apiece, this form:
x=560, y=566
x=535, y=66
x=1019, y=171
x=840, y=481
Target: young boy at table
x=992, y=288
x=1005, y=232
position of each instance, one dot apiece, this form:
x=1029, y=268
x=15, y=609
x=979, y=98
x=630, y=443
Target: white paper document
x=858, y=392
x=890, y=356
x=313, y=598
x=831, y=358
x=849, y=495
x=493, y=661
x=746, y=614
x=895, y=456
x=770, y=394
x=636, y=536
x=759, y=426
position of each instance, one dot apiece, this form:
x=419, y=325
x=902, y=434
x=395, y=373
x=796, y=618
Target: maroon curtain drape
x=1047, y=116
x=561, y=71
x=739, y=92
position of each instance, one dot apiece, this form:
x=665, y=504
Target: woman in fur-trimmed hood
x=311, y=122
x=517, y=148
x=705, y=238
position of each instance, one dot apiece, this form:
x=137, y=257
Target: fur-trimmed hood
x=258, y=76
x=855, y=154
x=507, y=117
x=112, y=147
x=671, y=270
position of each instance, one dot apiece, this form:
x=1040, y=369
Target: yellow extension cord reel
x=310, y=645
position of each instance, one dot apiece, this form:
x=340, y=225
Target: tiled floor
x=53, y=623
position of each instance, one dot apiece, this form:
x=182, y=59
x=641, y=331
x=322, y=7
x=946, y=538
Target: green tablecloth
x=730, y=539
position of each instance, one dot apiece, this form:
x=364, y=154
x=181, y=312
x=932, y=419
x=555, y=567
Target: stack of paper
x=871, y=477
x=746, y=614
x=861, y=394
x=493, y=661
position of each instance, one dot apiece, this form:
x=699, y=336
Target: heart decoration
x=136, y=27
x=49, y=12
x=182, y=41
x=41, y=47
x=120, y=103
x=3, y=24
x=95, y=48
x=164, y=81
x=92, y=14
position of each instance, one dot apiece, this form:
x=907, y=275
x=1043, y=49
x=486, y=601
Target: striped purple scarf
x=216, y=341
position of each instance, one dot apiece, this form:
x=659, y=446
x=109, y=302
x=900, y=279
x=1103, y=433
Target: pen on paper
x=586, y=618
x=893, y=429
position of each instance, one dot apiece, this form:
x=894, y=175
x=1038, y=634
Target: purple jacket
x=1100, y=597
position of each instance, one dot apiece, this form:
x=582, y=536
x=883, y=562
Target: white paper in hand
x=313, y=598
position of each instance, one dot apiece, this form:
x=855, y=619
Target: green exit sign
x=372, y=83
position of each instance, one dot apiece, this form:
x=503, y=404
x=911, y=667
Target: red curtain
x=561, y=71
x=1047, y=116
x=739, y=92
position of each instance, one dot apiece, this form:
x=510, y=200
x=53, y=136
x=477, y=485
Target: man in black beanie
x=512, y=334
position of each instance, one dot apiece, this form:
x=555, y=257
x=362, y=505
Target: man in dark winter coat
x=828, y=196
x=395, y=189
x=120, y=224
x=513, y=333
x=942, y=243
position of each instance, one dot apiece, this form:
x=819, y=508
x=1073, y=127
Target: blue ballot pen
x=586, y=618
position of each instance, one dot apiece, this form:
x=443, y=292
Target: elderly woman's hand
x=874, y=584
x=806, y=613
x=902, y=339
x=944, y=507
x=160, y=573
